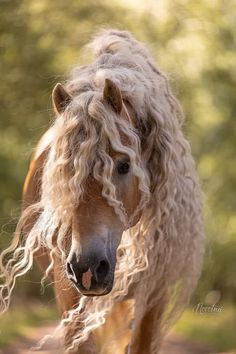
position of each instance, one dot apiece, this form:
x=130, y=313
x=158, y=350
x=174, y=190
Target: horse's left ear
x=60, y=98
x=112, y=94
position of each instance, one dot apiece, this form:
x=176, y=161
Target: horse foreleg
x=67, y=299
x=87, y=347
x=147, y=333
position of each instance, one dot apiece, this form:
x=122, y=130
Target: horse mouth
x=102, y=293
x=94, y=289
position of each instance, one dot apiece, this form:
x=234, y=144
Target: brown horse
x=112, y=205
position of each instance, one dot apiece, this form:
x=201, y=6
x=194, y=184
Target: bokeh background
x=194, y=43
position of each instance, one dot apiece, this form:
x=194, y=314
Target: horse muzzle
x=92, y=272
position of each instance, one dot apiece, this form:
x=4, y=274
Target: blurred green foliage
x=20, y=321
x=193, y=41
x=214, y=329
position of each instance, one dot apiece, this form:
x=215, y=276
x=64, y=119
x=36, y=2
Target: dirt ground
x=173, y=345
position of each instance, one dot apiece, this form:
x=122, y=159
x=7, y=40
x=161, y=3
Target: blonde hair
x=165, y=248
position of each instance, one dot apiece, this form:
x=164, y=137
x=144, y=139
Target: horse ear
x=112, y=94
x=60, y=98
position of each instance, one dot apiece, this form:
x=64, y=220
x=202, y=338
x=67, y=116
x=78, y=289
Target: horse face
x=97, y=231
x=96, y=228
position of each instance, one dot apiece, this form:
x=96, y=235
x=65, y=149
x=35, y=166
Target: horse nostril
x=102, y=270
x=69, y=269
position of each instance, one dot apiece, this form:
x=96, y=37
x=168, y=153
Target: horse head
x=108, y=204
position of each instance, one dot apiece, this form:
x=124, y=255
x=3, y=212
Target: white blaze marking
x=87, y=279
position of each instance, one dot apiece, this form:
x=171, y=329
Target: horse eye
x=123, y=167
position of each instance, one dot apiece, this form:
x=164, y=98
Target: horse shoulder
x=32, y=192
x=32, y=184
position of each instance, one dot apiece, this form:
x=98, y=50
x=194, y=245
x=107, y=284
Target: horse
x=112, y=204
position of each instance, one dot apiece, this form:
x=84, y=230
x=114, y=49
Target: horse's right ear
x=112, y=95
x=60, y=98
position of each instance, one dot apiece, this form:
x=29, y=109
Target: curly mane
x=167, y=243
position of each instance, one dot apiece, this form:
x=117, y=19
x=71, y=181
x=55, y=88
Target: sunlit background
x=194, y=42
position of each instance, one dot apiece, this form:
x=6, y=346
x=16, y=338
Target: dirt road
x=173, y=345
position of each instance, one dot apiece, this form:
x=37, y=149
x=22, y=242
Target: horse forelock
x=84, y=138
x=127, y=62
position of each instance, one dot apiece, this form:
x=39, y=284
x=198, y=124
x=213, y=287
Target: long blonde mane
x=165, y=248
